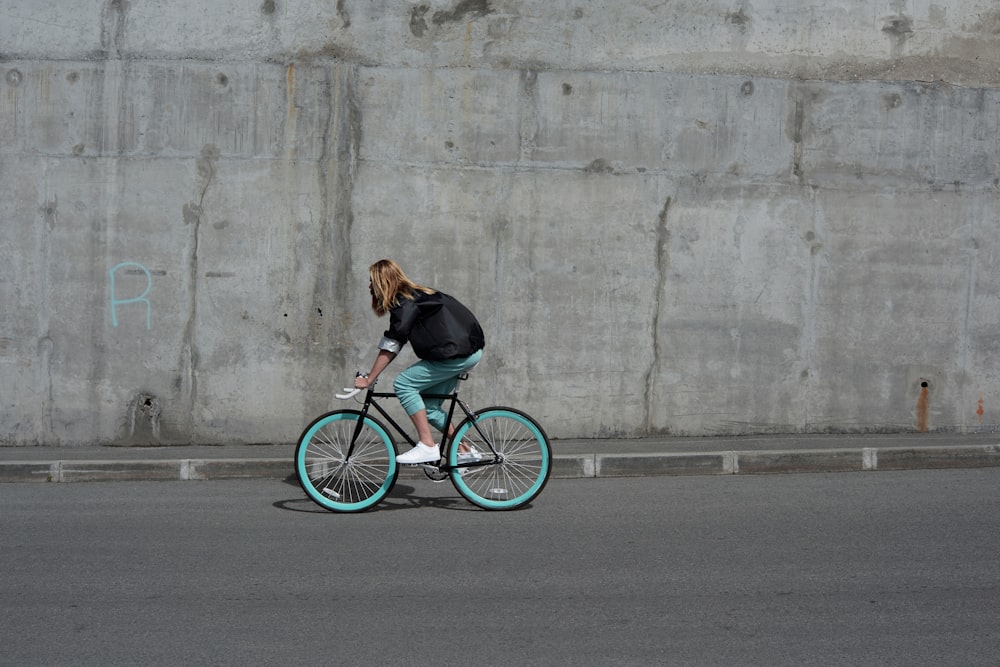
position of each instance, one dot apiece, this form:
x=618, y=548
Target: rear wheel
x=522, y=463
x=335, y=481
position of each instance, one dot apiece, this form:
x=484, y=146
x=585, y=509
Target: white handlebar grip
x=349, y=392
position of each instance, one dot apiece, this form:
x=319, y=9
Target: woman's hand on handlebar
x=361, y=381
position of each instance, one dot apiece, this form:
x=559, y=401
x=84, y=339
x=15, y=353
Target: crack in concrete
x=662, y=264
x=193, y=214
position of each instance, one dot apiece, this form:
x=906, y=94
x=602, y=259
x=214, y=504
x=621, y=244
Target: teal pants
x=431, y=377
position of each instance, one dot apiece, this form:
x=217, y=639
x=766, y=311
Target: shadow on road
x=402, y=497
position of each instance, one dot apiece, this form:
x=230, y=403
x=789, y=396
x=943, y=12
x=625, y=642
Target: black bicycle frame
x=453, y=397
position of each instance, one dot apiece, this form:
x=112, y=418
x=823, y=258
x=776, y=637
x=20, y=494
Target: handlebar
x=351, y=392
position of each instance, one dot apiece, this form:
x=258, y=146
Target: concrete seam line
x=869, y=458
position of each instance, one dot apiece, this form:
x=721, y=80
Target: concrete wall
x=689, y=217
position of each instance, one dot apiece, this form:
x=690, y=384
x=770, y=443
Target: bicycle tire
x=354, y=485
x=524, y=465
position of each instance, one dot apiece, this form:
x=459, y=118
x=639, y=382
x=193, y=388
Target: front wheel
x=340, y=482
x=515, y=459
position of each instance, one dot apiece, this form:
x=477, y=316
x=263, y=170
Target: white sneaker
x=470, y=456
x=420, y=454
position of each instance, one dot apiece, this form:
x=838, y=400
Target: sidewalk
x=572, y=458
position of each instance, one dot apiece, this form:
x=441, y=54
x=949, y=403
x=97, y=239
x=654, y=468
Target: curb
x=564, y=466
x=144, y=470
x=793, y=461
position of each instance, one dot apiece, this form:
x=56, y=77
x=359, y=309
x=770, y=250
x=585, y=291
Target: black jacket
x=437, y=325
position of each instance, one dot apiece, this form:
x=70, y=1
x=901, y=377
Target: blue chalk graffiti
x=115, y=302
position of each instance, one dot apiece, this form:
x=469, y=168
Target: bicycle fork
x=358, y=426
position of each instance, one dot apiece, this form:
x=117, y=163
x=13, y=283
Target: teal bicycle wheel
x=514, y=459
x=336, y=481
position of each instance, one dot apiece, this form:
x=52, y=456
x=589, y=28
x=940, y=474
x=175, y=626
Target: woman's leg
x=430, y=377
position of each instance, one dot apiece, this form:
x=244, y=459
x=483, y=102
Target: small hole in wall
x=925, y=384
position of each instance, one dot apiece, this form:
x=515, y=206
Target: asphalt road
x=842, y=569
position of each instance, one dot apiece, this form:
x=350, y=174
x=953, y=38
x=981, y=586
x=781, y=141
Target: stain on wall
x=464, y=10
x=142, y=420
x=923, y=406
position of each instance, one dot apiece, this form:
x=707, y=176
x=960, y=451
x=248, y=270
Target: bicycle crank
x=434, y=473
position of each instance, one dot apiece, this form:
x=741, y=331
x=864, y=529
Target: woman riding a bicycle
x=443, y=333
x=498, y=458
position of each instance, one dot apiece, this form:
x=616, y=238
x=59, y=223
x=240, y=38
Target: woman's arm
x=381, y=361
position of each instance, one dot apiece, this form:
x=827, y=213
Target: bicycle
x=346, y=460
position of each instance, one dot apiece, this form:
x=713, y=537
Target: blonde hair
x=390, y=285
